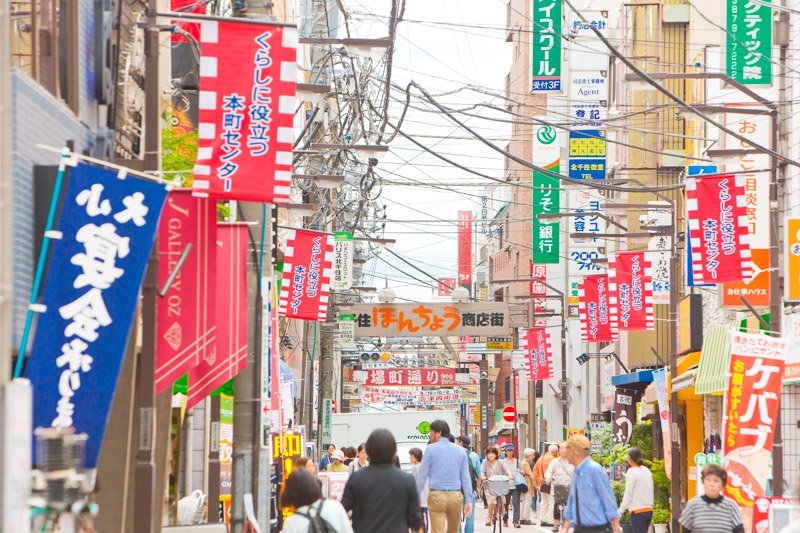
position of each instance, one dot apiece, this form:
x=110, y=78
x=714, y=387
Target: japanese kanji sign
x=717, y=221
x=582, y=251
x=538, y=272
x=446, y=286
x=662, y=393
x=410, y=396
x=792, y=254
x=230, y=356
x=407, y=377
x=659, y=252
x=624, y=417
x=752, y=399
x=465, y=248
x=107, y=225
x=546, y=196
x=423, y=320
x=246, y=111
x=342, y=261
x=539, y=358
x=598, y=309
x=306, y=275
x=185, y=327
x=587, y=155
x=630, y=281
x=546, y=49
x=749, y=41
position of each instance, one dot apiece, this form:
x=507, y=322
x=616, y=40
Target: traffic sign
x=509, y=413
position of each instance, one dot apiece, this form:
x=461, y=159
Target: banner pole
x=37, y=280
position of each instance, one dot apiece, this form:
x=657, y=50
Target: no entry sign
x=509, y=413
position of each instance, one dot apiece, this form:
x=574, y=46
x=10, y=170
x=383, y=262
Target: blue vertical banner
x=108, y=226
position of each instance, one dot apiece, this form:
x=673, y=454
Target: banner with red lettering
x=185, y=329
x=598, y=309
x=307, y=267
x=538, y=355
x=464, y=248
x=716, y=214
x=630, y=281
x=423, y=377
x=752, y=397
x=446, y=286
x=230, y=356
x=246, y=107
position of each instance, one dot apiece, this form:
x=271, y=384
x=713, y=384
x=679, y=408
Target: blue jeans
x=468, y=524
x=640, y=522
x=512, y=497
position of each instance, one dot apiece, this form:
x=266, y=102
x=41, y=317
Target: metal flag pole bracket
x=172, y=275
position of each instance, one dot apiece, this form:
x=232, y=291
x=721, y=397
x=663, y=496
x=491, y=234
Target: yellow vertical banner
x=792, y=254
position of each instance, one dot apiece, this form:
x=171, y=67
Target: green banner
x=749, y=42
x=546, y=234
x=546, y=49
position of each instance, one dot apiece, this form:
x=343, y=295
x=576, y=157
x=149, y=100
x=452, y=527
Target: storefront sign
x=624, y=417
x=546, y=196
x=588, y=115
x=347, y=330
x=587, y=155
x=538, y=272
x=465, y=248
x=660, y=382
x=423, y=377
x=598, y=309
x=306, y=275
x=342, y=278
x=659, y=251
x=792, y=257
x=247, y=100
x=327, y=418
x=717, y=221
x=749, y=41
x=630, y=281
x=588, y=85
x=546, y=49
x=107, y=224
x=753, y=392
x=499, y=343
x=423, y=320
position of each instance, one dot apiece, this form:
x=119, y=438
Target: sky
x=443, y=45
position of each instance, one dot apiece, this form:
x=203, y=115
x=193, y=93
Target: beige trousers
x=444, y=510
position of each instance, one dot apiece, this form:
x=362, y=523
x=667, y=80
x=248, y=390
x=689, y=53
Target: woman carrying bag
x=559, y=475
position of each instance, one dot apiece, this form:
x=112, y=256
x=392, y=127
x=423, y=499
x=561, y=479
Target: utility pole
x=145, y=486
x=484, y=394
x=675, y=466
x=775, y=305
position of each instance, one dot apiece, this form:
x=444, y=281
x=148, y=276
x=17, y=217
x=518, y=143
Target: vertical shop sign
x=306, y=275
x=546, y=46
x=587, y=155
x=347, y=330
x=583, y=251
x=791, y=273
x=546, y=196
x=659, y=252
x=465, y=248
x=624, y=417
x=598, y=309
x=538, y=274
x=752, y=397
x=749, y=41
x=108, y=224
x=630, y=280
x=342, y=260
x=660, y=382
x=717, y=221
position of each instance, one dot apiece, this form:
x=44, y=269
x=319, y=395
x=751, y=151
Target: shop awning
x=714, y=360
x=639, y=379
x=500, y=428
x=685, y=380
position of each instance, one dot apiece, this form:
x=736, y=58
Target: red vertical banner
x=716, y=214
x=631, y=282
x=538, y=355
x=185, y=329
x=246, y=107
x=307, y=268
x=230, y=354
x=192, y=28
x=752, y=399
x=598, y=309
x=465, y=248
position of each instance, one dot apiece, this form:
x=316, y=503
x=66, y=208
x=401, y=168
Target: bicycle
x=498, y=487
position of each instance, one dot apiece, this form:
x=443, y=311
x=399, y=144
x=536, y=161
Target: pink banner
x=405, y=377
x=446, y=286
x=185, y=329
x=598, y=309
x=538, y=355
x=716, y=212
x=230, y=356
x=631, y=282
x=306, y=275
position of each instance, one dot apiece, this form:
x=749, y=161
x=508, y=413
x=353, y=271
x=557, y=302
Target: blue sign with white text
x=108, y=227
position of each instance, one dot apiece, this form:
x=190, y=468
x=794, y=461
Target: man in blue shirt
x=591, y=506
x=444, y=468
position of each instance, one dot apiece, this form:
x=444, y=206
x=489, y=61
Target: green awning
x=714, y=361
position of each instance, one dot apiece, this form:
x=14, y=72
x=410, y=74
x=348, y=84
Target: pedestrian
x=303, y=493
x=492, y=467
x=350, y=455
x=360, y=461
x=337, y=462
x=712, y=512
x=639, y=492
x=514, y=466
x=546, y=518
x=591, y=505
x=444, y=466
x=536, y=496
x=306, y=464
x=326, y=459
x=415, y=455
x=527, y=474
x=381, y=497
x=559, y=474
x=469, y=521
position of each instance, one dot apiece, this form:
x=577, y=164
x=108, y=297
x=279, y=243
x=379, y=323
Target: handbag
x=519, y=481
x=545, y=488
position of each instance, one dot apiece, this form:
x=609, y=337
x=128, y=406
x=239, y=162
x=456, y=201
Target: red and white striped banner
x=185, y=329
x=598, y=309
x=631, y=282
x=307, y=268
x=246, y=107
x=230, y=356
x=716, y=214
x=538, y=355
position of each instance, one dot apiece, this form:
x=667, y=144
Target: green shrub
x=660, y=516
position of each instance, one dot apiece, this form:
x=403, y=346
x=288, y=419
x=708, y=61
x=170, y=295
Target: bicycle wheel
x=499, y=514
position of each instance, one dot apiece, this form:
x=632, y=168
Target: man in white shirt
x=639, y=494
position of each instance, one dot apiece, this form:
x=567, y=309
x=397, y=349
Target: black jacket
x=382, y=498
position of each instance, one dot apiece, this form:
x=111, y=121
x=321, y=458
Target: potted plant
x=660, y=520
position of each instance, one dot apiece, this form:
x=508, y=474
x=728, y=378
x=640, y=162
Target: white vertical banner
x=342, y=277
x=660, y=249
x=347, y=331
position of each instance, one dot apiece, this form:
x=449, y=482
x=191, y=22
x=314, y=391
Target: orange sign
x=757, y=291
x=792, y=254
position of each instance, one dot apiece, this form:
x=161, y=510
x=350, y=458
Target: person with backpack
x=313, y=513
